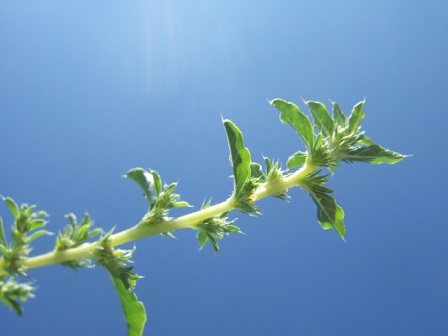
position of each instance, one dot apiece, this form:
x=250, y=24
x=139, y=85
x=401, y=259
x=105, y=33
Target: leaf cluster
x=12, y=291
x=214, y=228
x=272, y=173
x=160, y=199
x=74, y=235
x=116, y=261
x=27, y=227
x=332, y=138
x=329, y=140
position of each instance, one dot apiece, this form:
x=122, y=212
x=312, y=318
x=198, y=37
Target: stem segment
x=187, y=221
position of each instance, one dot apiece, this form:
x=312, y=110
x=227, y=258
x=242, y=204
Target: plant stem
x=142, y=230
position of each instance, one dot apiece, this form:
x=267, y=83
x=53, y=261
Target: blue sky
x=91, y=89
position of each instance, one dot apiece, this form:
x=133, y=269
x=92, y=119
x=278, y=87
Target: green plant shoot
x=329, y=139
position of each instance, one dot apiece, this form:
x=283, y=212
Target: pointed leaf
x=329, y=214
x=373, y=154
x=296, y=160
x=36, y=224
x=134, y=310
x=290, y=114
x=322, y=118
x=38, y=234
x=145, y=180
x=338, y=116
x=239, y=156
x=27, y=210
x=213, y=241
x=12, y=207
x=268, y=165
x=355, y=118
x=202, y=238
x=181, y=204
x=157, y=182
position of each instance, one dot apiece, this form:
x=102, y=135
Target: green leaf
x=12, y=207
x=181, y=204
x=355, y=118
x=134, y=310
x=145, y=180
x=329, y=214
x=296, y=160
x=202, y=238
x=290, y=114
x=338, y=116
x=239, y=156
x=157, y=182
x=38, y=234
x=213, y=241
x=373, y=154
x=2, y=233
x=36, y=224
x=256, y=171
x=267, y=163
x=322, y=118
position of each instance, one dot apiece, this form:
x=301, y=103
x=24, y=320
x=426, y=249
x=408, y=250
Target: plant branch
x=143, y=230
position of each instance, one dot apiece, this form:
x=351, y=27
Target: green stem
x=187, y=221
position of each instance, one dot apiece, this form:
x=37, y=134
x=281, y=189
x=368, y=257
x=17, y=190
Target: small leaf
x=134, y=310
x=268, y=165
x=12, y=207
x=373, y=154
x=83, y=232
x=38, y=234
x=296, y=160
x=27, y=210
x=213, y=241
x=202, y=238
x=145, y=180
x=181, y=204
x=36, y=224
x=239, y=156
x=355, y=118
x=157, y=182
x=2, y=233
x=338, y=116
x=72, y=218
x=256, y=171
x=322, y=118
x=290, y=114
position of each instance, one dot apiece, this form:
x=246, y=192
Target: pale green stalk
x=139, y=231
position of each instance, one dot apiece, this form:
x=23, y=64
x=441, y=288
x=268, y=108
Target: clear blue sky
x=90, y=89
